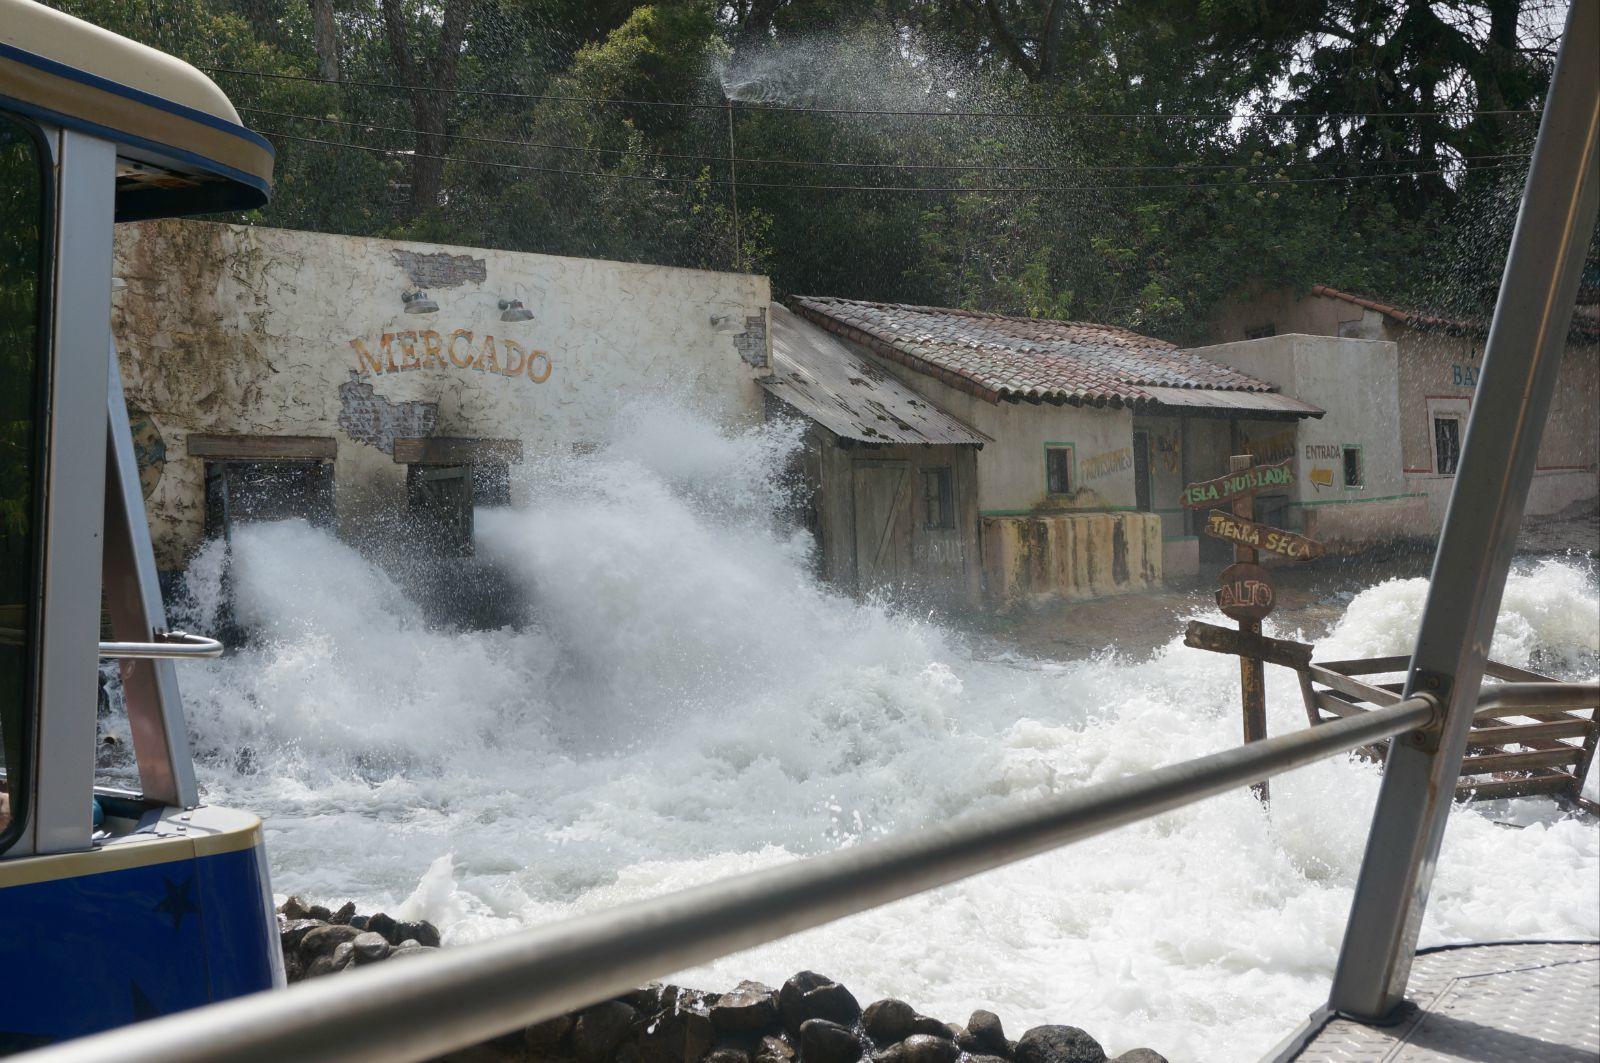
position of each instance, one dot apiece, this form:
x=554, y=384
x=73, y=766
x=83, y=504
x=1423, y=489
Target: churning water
x=688, y=703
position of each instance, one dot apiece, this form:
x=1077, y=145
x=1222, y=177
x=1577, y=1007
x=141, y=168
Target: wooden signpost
x=1246, y=593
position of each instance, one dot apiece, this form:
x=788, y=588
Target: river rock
x=541, y=1037
x=292, y=933
x=343, y=956
x=424, y=932
x=383, y=923
x=1140, y=1055
x=681, y=1034
x=774, y=1050
x=346, y=912
x=822, y=1041
x=978, y=1058
x=809, y=995
x=600, y=1029
x=293, y=969
x=728, y=1055
x=750, y=1006
x=370, y=947
x=319, y=912
x=922, y=1048
x=294, y=908
x=318, y=967
x=408, y=948
x=1058, y=1044
x=322, y=940
x=986, y=1035
x=889, y=1020
x=931, y=1027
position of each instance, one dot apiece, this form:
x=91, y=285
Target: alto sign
x=1223, y=525
x=1244, y=592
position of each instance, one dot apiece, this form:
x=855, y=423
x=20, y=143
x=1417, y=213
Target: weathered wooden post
x=1245, y=592
x=1252, y=673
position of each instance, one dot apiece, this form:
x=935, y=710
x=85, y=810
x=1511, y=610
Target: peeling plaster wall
x=245, y=330
x=1070, y=556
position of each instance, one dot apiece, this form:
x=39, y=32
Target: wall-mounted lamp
x=513, y=310
x=417, y=302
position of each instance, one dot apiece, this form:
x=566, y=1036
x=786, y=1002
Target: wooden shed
x=890, y=479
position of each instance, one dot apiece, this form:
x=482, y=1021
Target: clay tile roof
x=1585, y=318
x=996, y=356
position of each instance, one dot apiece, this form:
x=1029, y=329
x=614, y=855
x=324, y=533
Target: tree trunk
x=327, y=39
x=431, y=94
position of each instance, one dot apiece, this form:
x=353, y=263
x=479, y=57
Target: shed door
x=883, y=523
x=440, y=502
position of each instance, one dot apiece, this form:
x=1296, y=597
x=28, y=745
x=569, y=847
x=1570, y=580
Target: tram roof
x=181, y=146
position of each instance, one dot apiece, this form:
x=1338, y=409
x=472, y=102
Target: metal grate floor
x=1503, y=1003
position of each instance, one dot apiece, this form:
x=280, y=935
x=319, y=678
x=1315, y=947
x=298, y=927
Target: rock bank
x=809, y=1019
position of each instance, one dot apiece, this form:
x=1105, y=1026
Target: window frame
x=1345, y=449
x=1071, y=450
x=944, y=476
x=1434, y=417
x=21, y=796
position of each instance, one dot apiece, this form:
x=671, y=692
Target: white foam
x=690, y=703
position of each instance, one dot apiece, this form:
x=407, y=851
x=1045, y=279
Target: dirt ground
x=1311, y=597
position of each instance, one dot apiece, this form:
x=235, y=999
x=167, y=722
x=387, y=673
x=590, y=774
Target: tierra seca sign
x=401, y=352
x=1223, y=525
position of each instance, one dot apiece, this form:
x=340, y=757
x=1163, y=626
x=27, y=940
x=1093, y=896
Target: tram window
x=23, y=230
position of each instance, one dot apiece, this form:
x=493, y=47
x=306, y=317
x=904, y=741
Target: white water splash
x=690, y=703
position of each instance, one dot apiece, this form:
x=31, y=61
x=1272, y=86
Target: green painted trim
x=1056, y=512
x=1352, y=501
x=1175, y=509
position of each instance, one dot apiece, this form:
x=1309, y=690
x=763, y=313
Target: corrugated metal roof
x=1207, y=398
x=848, y=395
x=999, y=357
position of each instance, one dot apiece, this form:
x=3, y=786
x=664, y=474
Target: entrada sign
x=1245, y=592
x=1221, y=524
x=1248, y=482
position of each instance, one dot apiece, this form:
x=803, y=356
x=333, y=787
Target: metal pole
x=424, y=1007
x=1252, y=674
x=1520, y=365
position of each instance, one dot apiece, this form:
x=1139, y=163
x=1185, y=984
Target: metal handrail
x=1534, y=697
x=459, y=997
x=173, y=645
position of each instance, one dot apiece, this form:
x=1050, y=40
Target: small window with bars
x=938, y=498
x=1446, y=444
x=1355, y=474
x=1058, y=469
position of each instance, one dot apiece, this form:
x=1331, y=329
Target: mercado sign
x=1236, y=484
x=400, y=352
x=1221, y=524
x=1245, y=592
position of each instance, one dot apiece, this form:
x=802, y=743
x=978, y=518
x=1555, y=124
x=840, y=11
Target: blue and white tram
x=115, y=905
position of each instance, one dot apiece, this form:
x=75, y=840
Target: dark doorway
x=439, y=499
x=882, y=524
x=242, y=492
x=1141, y=471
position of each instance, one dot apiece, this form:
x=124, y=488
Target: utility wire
x=1244, y=116
x=825, y=163
x=1025, y=189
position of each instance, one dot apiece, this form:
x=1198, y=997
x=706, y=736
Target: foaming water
x=689, y=703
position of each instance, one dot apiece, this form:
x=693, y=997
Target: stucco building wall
x=1357, y=383
x=232, y=330
x=1437, y=375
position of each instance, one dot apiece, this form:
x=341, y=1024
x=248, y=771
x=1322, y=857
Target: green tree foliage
x=1125, y=161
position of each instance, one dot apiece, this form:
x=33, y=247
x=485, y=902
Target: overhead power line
x=1023, y=189
x=1215, y=116
x=725, y=160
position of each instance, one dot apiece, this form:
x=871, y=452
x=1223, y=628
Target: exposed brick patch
x=441, y=269
x=752, y=342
